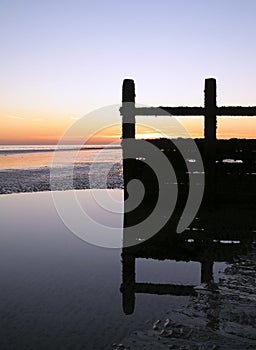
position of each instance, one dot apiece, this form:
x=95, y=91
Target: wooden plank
x=236, y=111
x=167, y=111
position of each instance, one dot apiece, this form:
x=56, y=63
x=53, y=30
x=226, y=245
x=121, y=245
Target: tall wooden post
x=128, y=129
x=210, y=126
x=128, y=105
x=210, y=122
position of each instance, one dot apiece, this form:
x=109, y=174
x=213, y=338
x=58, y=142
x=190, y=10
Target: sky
x=63, y=59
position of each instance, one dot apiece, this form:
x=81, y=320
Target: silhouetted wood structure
x=229, y=164
x=210, y=110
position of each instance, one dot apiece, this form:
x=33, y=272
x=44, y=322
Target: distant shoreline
x=22, y=151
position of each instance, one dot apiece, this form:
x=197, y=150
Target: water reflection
x=207, y=241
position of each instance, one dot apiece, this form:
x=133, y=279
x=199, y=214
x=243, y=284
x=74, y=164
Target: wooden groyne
x=229, y=165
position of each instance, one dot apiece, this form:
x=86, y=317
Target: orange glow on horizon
x=17, y=130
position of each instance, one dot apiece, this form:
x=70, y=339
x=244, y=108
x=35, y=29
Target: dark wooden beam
x=177, y=111
x=236, y=111
x=162, y=289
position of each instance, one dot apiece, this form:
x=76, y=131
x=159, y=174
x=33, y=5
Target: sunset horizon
x=60, y=61
x=14, y=133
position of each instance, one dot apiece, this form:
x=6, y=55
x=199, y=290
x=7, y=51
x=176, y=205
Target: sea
x=28, y=168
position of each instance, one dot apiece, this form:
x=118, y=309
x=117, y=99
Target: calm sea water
x=59, y=292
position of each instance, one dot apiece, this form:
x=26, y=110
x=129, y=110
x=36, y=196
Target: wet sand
x=38, y=179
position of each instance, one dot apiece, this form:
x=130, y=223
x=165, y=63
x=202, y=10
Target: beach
x=61, y=290
x=28, y=168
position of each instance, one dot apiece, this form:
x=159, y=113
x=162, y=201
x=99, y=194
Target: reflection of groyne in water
x=207, y=243
x=182, y=250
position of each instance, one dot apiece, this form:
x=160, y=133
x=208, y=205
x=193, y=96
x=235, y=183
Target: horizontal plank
x=236, y=111
x=167, y=111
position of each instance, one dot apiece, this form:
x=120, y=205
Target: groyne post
x=128, y=129
x=128, y=109
x=210, y=131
